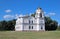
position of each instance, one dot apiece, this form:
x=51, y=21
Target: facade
x=30, y=23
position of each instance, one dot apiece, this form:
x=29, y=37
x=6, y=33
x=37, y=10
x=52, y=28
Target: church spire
x=39, y=12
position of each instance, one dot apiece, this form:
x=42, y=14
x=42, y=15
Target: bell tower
x=40, y=19
x=39, y=13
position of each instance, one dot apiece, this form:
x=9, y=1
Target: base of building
x=32, y=31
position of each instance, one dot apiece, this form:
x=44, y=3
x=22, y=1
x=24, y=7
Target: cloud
x=8, y=16
x=7, y=11
x=44, y=12
x=16, y=16
x=47, y=15
x=11, y=16
x=50, y=14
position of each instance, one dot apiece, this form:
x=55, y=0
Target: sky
x=11, y=9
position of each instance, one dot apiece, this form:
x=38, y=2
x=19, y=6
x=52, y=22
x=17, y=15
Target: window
x=32, y=22
x=32, y=27
x=29, y=21
x=41, y=27
x=29, y=27
x=40, y=14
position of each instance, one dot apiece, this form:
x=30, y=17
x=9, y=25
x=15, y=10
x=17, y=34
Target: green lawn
x=29, y=35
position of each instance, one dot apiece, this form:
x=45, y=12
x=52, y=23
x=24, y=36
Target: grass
x=29, y=35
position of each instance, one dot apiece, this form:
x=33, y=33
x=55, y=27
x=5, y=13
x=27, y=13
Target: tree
x=7, y=25
x=50, y=24
x=3, y=24
x=0, y=26
x=33, y=14
x=11, y=25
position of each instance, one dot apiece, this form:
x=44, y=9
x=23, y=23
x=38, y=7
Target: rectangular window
x=29, y=21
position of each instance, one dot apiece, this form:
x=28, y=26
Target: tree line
x=10, y=25
x=50, y=24
x=7, y=25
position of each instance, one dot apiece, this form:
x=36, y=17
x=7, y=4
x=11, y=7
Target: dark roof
x=39, y=8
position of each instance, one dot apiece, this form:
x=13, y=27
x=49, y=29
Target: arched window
x=32, y=22
x=40, y=14
x=41, y=27
x=29, y=27
x=32, y=27
x=29, y=21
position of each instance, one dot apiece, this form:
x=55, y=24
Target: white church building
x=30, y=23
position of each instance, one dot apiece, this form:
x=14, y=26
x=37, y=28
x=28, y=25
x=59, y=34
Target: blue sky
x=9, y=9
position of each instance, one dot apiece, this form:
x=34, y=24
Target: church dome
x=39, y=10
